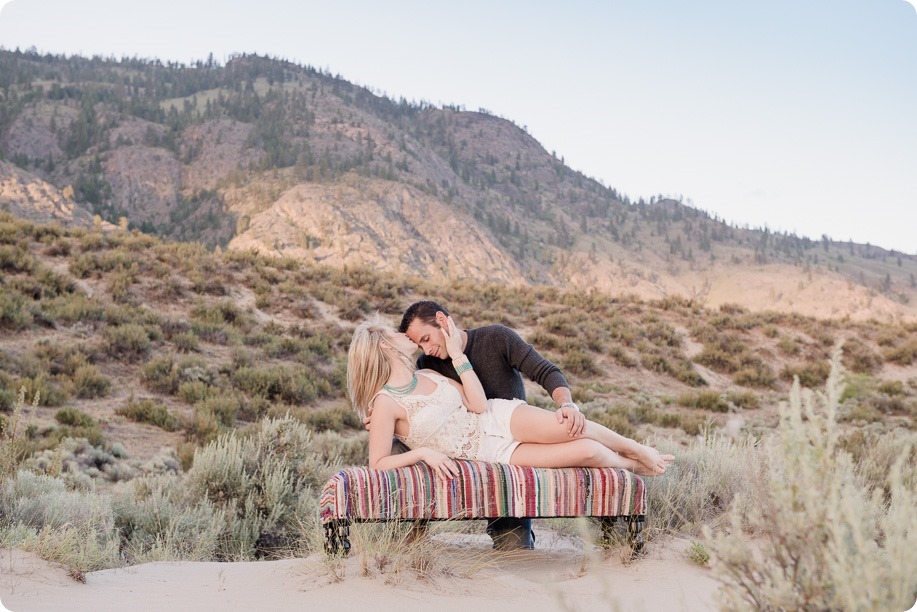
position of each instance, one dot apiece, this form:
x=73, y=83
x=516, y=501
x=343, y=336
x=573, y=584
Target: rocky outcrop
x=386, y=226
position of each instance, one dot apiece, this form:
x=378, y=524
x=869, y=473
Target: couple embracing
x=464, y=398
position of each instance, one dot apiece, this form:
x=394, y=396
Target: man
x=498, y=356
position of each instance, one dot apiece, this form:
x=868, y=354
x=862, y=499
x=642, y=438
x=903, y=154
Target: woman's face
x=402, y=343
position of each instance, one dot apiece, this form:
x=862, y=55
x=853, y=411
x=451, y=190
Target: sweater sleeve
x=530, y=362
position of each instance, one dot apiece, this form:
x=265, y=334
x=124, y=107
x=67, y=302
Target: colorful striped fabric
x=482, y=490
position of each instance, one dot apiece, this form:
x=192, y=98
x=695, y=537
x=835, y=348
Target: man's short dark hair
x=425, y=311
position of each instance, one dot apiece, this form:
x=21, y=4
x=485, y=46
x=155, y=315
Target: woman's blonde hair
x=367, y=367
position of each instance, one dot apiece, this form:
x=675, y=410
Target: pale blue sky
x=801, y=115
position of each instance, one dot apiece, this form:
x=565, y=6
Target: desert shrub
x=129, y=341
x=860, y=358
x=7, y=398
x=810, y=375
x=225, y=407
x=292, y=385
x=904, y=354
x=823, y=540
x=658, y=363
x=755, y=374
x=193, y=391
x=13, y=443
x=263, y=482
x=157, y=521
x=89, y=382
x=560, y=324
x=788, y=345
x=160, y=375
x=698, y=488
x=74, y=307
x=75, y=528
x=203, y=426
x=339, y=450
x=224, y=312
x=744, y=399
x=892, y=387
x=42, y=386
x=579, y=362
x=280, y=347
x=717, y=359
x=707, y=400
x=216, y=333
x=621, y=357
x=186, y=342
x=74, y=418
x=15, y=313
x=691, y=424
x=337, y=418
x=686, y=373
x=15, y=259
x=352, y=307
x=149, y=411
x=662, y=334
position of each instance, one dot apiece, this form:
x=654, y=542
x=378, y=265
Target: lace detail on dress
x=440, y=421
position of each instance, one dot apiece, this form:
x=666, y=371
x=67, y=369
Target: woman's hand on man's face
x=453, y=338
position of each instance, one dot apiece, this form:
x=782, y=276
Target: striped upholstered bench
x=482, y=490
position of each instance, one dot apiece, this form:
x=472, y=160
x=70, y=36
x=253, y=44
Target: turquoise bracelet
x=463, y=368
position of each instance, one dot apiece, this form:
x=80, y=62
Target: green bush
x=149, y=411
x=186, y=342
x=194, y=391
x=292, y=385
x=744, y=399
x=15, y=312
x=904, y=354
x=128, y=341
x=74, y=418
x=225, y=407
x=756, y=374
x=263, y=483
x=860, y=358
x=337, y=418
x=820, y=532
x=892, y=387
x=706, y=400
x=810, y=375
x=160, y=375
x=89, y=383
x=579, y=362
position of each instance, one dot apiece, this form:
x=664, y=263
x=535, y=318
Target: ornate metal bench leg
x=337, y=537
x=634, y=537
x=608, y=528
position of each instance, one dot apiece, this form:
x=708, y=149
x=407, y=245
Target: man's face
x=429, y=338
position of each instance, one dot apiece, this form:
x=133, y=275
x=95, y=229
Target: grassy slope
x=204, y=342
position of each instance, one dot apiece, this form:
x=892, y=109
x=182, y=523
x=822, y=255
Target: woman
x=438, y=418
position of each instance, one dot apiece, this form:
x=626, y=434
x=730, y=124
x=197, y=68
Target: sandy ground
x=560, y=575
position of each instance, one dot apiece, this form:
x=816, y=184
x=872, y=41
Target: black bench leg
x=337, y=537
x=634, y=537
x=608, y=528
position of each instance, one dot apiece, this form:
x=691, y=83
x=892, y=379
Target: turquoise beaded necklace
x=402, y=391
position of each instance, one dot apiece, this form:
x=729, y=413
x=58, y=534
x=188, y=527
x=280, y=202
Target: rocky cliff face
x=380, y=225
x=29, y=197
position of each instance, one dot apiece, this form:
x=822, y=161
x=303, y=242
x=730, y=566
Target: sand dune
x=561, y=575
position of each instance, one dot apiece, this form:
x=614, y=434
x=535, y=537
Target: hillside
x=290, y=160
x=148, y=349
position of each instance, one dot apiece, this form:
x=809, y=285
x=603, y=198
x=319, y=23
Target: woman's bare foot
x=653, y=462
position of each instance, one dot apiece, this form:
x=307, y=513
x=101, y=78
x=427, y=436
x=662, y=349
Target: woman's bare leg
x=530, y=424
x=581, y=453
